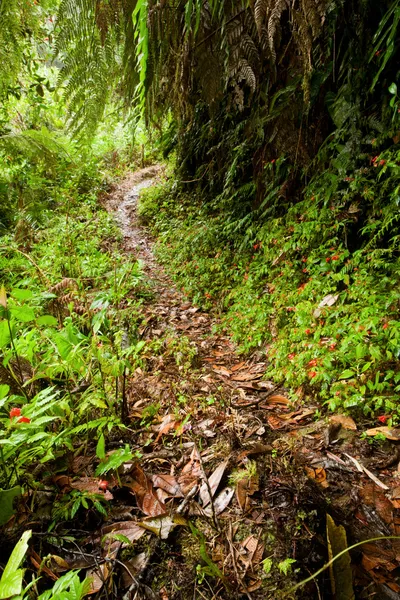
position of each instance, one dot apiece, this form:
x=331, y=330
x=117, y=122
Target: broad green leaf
x=101, y=447
x=11, y=580
x=4, y=334
x=21, y=294
x=347, y=374
x=4, y=389
x=23, y=313
x=7, y=503
x=47, y=320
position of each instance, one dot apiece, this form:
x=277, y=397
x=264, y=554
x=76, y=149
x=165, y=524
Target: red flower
x=335, y=257
x=382, y=162
x=328, y=259
x=301, y=287
x=103, y=485
x=291, y=356
x=383, y=418
x=273, y=161
x=15, y=412
x=332, y=347
x=291, y=309
x=207, y=295
x=313, y=362
x=24, y=420
x=307, y=331
x=385, y=325
x=312, y=374
x=305, y=270
x=304, y=259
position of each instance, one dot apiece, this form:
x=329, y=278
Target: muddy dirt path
x=209, y=426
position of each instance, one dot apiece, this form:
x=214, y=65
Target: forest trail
x=207, y=424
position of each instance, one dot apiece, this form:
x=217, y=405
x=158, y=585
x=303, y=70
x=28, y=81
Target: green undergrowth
x=70, y=303
x=314, y=284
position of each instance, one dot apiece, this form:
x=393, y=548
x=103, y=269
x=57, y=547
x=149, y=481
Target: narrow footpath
x=235, y=480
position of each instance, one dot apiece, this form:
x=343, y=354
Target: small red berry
x=15, y=412
x=307, y=331
x=385, y=325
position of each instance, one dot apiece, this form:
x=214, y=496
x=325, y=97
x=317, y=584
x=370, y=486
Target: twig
x=191, y=494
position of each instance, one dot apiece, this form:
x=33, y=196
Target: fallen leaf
x=238, y=367
x=133, y=566
x=128, y=529
x=390, y=433
x=245, y=488
x=163, y=525
x=343, y=420
x=146, y=497
x=167, y=424
x=167, y=483
x=214, y=481
x=277, y=399
x=98, y=576
x=191, y=473
x=221, y=502
x=222, y=371
x=90, y=485
x=246, y=377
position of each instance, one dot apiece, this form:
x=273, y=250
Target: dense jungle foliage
x=280, y=125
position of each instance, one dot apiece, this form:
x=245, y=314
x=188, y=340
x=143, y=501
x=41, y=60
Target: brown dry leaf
x=245, y=488
x=129, y=529
x=163, y=525
x=343, y=420
x=275, y=422
x=238, y=367
x=167, y=483
x=390, y=433
x=191, y=473
x=220, y=370
x=213, y=481
x=253, y=585
x=167, y=424
x=246, y=377
x=90, y=485
x=133, y=566
x=277, y=399
x=256, y=448
x=251, y=552
x=40, y=566
x=221, y=502
x=99, y=576
x=146, y=497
